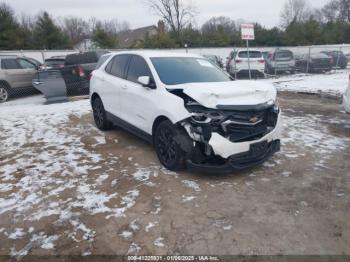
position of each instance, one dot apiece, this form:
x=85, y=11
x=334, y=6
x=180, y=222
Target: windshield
x=182, y=70
x=252, y=54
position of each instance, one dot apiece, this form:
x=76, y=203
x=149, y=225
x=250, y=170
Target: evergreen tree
x=11, y=37
x=47, y=35
x=104, y=39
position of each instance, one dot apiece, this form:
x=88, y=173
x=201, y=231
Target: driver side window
x=138, y=67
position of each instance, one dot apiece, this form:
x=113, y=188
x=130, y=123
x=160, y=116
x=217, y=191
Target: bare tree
x=75, y=28
x=214, y=23
x=295, y=10
x=337, y=10
x=175, y=13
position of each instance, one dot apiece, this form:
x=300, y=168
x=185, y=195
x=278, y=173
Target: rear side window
x=252, y=54
x=118, y=65
x=10, y=64
x=102, y=60
x=138, y=67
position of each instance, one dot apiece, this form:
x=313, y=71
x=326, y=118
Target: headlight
x=206, y=117
x=276, y=108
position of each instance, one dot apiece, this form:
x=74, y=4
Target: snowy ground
x=333, y=83
x=67, y=188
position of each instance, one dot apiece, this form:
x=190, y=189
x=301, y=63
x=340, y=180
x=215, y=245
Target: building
x=131, y=38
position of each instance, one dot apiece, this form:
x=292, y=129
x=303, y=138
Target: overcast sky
x=266, y=12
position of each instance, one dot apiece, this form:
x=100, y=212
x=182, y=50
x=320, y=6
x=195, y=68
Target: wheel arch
x=4, y=82
x=94, y=96
x=157, y=121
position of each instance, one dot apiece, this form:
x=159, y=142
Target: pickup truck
x=77, y=71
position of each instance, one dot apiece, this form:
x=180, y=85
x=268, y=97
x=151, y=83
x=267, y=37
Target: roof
x=160, y=53
x=129, y=37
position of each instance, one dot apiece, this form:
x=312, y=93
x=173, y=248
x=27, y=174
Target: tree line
x=300, y=25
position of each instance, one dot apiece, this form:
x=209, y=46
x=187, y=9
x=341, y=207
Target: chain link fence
x=33, y=71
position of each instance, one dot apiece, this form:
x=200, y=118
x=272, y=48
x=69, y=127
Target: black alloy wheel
x=168, y=150
x=100, y=115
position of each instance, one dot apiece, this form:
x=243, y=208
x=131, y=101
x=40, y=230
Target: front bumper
x=237, y=162
x=238, y=156
x=225, y=148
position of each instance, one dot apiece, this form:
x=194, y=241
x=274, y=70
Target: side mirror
x=146, y=81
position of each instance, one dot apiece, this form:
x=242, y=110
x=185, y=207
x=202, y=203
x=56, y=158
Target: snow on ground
x=334, y=83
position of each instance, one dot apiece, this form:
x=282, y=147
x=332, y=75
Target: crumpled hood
x=234, y=93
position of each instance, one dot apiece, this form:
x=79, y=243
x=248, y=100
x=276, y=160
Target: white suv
x=239, y=63
x=189, y=109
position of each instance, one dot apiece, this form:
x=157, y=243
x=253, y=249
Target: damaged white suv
x=189, y=109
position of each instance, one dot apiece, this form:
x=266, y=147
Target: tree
x=296, y=11
x=11, y=36
x=103, y=38
x=175, y=13
x=47, y=35
x=337, y=10
x=75, y=28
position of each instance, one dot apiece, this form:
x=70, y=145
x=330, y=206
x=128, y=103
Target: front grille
x=250, y=125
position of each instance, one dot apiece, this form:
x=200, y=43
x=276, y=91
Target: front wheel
x=4, y=93
x=168, y=150
x=100, y=116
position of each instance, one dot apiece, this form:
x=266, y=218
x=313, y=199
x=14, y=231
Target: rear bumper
x=237, y=162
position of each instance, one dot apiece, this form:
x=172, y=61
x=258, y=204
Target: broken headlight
x=204, y=117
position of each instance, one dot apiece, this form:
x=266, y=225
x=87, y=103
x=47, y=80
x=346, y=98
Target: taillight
x=238, y=61
x=261, y=61
x=80, y=71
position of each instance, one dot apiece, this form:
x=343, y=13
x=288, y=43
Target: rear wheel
x=168, y=150
x=100, y=115
x=4, y=93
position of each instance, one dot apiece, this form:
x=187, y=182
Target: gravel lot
x=67, y=188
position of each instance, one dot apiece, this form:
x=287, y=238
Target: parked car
x=338, y=58
x=313, y=63
x=190, y=110
x=55, y=62
x=346, y=99
x=348, y=57
x=16, y=75
x=77, y=69
x=239, y=63
x=280, y=60
x=215, y=59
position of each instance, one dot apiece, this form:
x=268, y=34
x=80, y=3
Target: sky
x=138, y=14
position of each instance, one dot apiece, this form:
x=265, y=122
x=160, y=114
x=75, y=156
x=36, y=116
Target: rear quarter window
x=9, y=64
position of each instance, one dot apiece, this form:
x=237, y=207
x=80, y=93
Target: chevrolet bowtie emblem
x=253, y=119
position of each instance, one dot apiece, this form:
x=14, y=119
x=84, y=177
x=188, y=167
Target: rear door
x=138, y=102
x=15, y=74
x=113, y=82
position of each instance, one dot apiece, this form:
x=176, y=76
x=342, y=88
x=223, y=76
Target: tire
x=4, y=92
x=168, y=150
x=100, y=115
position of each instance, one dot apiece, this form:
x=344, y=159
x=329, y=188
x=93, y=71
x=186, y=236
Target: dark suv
x=338, y=58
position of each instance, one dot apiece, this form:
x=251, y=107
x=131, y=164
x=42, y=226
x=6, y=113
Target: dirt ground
x=106, y=194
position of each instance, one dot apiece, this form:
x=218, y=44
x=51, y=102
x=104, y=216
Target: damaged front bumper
x=236, y=156
x=238, y=162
